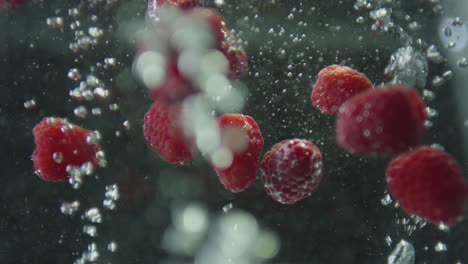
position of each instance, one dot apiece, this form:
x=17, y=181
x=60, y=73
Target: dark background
x=344, y=222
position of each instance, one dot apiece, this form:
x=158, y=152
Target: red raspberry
x=292, y=170
x=428, y=182
x=11, y=4
x=235, y=55
x=164, y=134
x=386, y=121
x=60, y=144
x=243, y=137
x=336, y=84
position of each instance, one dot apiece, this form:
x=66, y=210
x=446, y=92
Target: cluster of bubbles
x=89, y=89
x=233, y=236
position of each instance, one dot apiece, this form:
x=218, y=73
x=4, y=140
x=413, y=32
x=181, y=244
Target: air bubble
x=440, y=247
x=114, y=107
x=457, y=22
x=75, y=24
x=463, y=62
x=87, y=168
x=402, y=254
x=434, y=55
x=76, y=178
x=57, y=157
x=93, y=215
x=69, y=208
x=73, y=12
x=80, y=111
x=96, y=111
x=448, y=75
x=447, y=32
x=443, y=227
x=90, y=230
x=94, y=138
x=92, y=255
x=54, y=22
x=110, y=61
x=127, y=125
x=101, y=92
x=438, y=81
x=30, y=104
x=95, y=32
x=388, y=240
x=228, y=207
x=386, y=200
x=109, y=204
x=101, y=158
x=112, y=246
x=431, y=112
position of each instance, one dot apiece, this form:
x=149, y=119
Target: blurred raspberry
x=384, y=121
x=428, y=182
x=11, y=4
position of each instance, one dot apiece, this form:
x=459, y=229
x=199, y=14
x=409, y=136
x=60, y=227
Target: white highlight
x=151, y=67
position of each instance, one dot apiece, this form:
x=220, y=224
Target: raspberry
x=336, y=84
x=385, y=121
x=60, y=144
x=164, y=134
x=11, y=4
x=243, y=137
x=428, y=182
x=292, y=170
x=235, y=55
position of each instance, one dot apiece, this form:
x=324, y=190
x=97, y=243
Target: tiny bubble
x=30, y=104
x=57, y=157
x=440, y=247
x=90, y=230
x=112, y=246
x=228, y=207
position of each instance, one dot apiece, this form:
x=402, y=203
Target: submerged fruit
x=163, y=131
x=428, y=182
x=60, y=145
x=292, y=170
x=384, y=121
x=335, y=85
x=241, y=135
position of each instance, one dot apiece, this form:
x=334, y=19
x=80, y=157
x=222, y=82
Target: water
x=79, y=61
